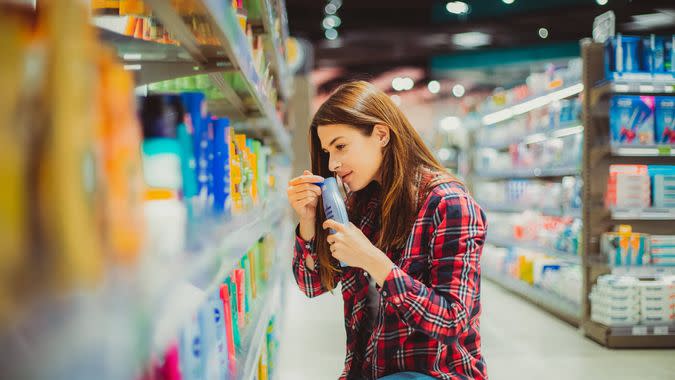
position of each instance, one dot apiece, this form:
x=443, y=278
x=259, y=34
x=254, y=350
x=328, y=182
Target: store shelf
x=276, y=46
x=643, y=151
x=631, y=336
x=234, y=54
x=203, y=271
x=514, y=207
x=600, y=262
x=531, y=104
x=635, y=83
x=550, y=251
x=540, y=135
x=528, y=173
x=643, y=214
x=549, y=301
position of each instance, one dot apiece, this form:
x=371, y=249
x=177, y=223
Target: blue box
x=653, y=54
x=622, y=54
x=664, y=122
x=631, y=120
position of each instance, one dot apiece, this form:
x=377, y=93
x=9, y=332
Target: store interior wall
x=300, y=117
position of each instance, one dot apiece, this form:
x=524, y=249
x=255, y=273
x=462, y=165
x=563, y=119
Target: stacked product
x=627, y=248
x=642, y=120
x=626, y=300
x=135, y=20
x=548, y=232
x=564, y=113
x=536, y=84
x=534, y=268
x=639, y=57
x=208, y=344
x=640, y=186
x=531, y=194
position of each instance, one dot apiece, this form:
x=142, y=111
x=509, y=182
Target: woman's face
x=355, y=158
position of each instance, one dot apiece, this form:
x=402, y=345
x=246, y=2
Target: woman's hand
x=349, y=245
x=303, y=195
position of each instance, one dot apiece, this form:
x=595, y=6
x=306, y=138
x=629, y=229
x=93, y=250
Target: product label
x=664, y=151
x=640, y=330
x=661, y=330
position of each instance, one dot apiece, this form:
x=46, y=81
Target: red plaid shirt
x=429, y=310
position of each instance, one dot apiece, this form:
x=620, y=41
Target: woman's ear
x=382, y=133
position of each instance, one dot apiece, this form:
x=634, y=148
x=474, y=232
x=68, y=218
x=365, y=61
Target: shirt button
x=384, y=293
x=365, y=274
x=307, y=246
x=368, y=359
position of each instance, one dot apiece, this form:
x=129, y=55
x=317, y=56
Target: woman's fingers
x=302, y=195
x=306, y=179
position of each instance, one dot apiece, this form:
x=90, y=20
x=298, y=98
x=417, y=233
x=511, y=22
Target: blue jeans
x=406, y=376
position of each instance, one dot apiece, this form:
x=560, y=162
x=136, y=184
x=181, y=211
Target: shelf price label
x=665, y=150
x=639, y=330
x=661, y=330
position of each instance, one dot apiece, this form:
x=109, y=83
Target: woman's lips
x=347, y=177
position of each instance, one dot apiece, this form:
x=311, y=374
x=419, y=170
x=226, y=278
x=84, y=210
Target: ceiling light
x=457, y=7
x=337, y=3
x=450, y=123
x=407, y=83
x=471, y=39
x=336, y=20
x=434, y=87
x=328, y=23
x=543, y=32
x=397, y=84
x=396, y=99
x=331, y=34
x=509, y=1
x=330, y=9
x=458, y=90
x=601, y=2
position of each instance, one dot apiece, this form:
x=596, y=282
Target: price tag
x=665, y=151
x=639, y=330
x=661, y=330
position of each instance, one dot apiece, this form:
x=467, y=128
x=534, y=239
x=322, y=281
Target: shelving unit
x=597, y=157
x=549, y=301
x=232, y=53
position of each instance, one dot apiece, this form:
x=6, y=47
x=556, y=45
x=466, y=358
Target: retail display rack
x=563, y=308
x=598, y=155
x=227, y=51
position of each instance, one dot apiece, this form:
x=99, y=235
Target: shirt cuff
x=396, y=285
x=307, y=248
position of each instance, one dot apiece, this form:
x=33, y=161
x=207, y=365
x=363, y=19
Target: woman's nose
x=333, y=164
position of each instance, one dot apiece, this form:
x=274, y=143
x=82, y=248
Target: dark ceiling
x=379, y=35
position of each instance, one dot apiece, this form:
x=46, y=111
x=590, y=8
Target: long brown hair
x=361, y=105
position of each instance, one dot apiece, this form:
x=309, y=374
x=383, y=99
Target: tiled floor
x=520, y=342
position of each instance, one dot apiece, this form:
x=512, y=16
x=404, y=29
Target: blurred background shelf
x=527, y=173
x=550, y=251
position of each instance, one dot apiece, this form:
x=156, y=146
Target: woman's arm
x=443, y=310
x=306, y=266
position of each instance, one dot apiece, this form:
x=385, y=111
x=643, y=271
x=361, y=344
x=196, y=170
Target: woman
x=411, y=287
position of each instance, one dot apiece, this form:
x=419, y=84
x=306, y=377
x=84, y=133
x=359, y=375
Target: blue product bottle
x=184, y=132
x=333, y=204
x=192, y=351
x=218, y=319
x=221, y=166
x=211, y=357
x=196, y=107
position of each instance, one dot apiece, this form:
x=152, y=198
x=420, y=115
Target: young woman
x=411, y=287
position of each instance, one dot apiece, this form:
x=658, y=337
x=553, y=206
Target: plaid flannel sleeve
x=308, y=280
x=443, y=310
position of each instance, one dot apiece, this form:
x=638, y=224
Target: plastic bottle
x=333, y=204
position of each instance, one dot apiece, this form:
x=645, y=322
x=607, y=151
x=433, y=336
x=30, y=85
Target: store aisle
x=520, y=342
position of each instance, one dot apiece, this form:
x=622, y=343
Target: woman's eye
x=340, y=146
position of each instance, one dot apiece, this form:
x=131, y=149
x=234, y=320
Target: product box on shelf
x=628, y=186
x=664, y=123
x=663, y=185
x=639, y=57
x=631, y=119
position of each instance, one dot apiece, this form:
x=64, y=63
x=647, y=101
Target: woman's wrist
x=379, y=266
x=307, y=229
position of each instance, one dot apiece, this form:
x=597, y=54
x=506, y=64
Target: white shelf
x=550, y=251
x=528, y=173
x=276, y=42
x=548, y=211
x=640, y=83
x=643, y=214
x=530, y=104
x=643, y=151
x=540, y=135
x=549, y=301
